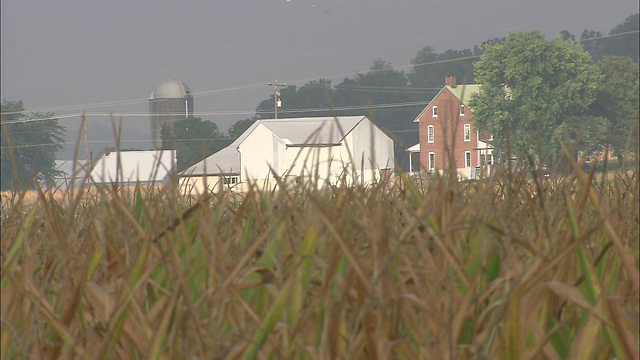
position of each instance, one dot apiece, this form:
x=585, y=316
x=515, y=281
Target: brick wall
x=448, y=132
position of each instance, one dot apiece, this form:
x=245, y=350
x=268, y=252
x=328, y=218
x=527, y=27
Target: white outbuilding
x=319, y=150
x=148, y=167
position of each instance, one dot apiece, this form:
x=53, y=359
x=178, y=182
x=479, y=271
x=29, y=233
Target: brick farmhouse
x=447, y=132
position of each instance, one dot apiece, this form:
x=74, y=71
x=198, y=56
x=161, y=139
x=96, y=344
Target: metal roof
x=461, y=92
x=69, y=175
x=67, y=168
x=465, y=92
x=143, y=166
x=292, y=131
x=171, y=89
x=313, y=131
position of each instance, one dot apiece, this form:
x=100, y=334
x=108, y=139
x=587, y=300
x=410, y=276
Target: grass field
x=512, y=267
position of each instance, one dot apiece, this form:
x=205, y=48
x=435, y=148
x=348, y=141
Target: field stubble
x=509, y=267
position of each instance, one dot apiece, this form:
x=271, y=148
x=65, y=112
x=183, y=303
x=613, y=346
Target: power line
x=606, y=36
x=213, y=91
x=226, y=113
x=114, y=141
x=150, y=140
x=256, y=86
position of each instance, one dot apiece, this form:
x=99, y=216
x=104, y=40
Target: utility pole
x=86, y=142
x=276, y=97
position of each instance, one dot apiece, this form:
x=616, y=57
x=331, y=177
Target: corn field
x=516, y=266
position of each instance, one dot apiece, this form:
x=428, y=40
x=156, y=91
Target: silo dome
x=172, y=89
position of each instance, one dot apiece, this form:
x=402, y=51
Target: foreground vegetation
x=519, y=266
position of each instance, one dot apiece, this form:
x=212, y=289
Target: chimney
x=450, y=80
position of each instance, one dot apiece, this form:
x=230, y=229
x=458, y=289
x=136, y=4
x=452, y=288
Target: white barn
x=317, y=150
x=149, y=167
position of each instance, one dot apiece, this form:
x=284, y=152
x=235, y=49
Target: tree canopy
x=240, y=127
x=624, y=39
x=193, y=139
x=528, y=82
x=617, y=101
x=430, y=68
x=311, y=99
x=29, y=146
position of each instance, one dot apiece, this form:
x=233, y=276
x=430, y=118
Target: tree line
x=586, y=88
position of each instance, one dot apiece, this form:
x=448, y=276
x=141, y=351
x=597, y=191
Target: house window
x=489, y=159
x=230, y=180
x=432, y=161
x=467, y=159
x=430, y=133
x=467, y=132
x=483, y=159
x=435, y=111
x=461, y=110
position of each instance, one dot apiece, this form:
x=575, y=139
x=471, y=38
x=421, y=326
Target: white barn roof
x=292, y=131
x=68, y=174
x=151, y=166
x=313, y=131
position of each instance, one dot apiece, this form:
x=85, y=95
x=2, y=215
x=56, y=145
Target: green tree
x=593, y=43
x=312, y=99
x=240, y=127
x=624, y=39
x=384, y=95
x=380, y=93
x=193, y=139
x=566, y=35
x=29, y=146
x=528, y=82
x=430, y=68
x=617, y=101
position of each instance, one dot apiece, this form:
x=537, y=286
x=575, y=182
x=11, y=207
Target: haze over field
x=56, y=55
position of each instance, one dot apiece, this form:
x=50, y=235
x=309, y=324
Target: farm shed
x=151, y=167
x=317, y=150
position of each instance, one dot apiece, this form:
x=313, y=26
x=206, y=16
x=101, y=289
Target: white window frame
x=231, y=180
x=462, y=110
x=467, y=159
x=432, y=161
x=467, y=132
x=434, y=111
x=489, y=159
x=431, y=134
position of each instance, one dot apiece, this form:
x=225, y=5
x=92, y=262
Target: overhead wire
x=260, y=85
x=226, y=113
x=148, y=141
x=254, y=86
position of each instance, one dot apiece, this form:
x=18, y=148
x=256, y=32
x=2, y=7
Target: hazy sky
x=66, y=56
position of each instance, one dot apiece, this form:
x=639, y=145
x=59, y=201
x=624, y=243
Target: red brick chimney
x=450, y=80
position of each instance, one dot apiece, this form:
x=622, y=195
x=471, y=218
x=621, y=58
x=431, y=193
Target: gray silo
x=171, y=102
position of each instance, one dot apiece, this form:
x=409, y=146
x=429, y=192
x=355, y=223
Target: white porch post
x=410, y=165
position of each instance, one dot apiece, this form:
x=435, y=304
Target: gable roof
x=69, y=168
x=71, y=172
x=292, y=131
x=461, y=92
x=313, y=131
x=143, y=166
